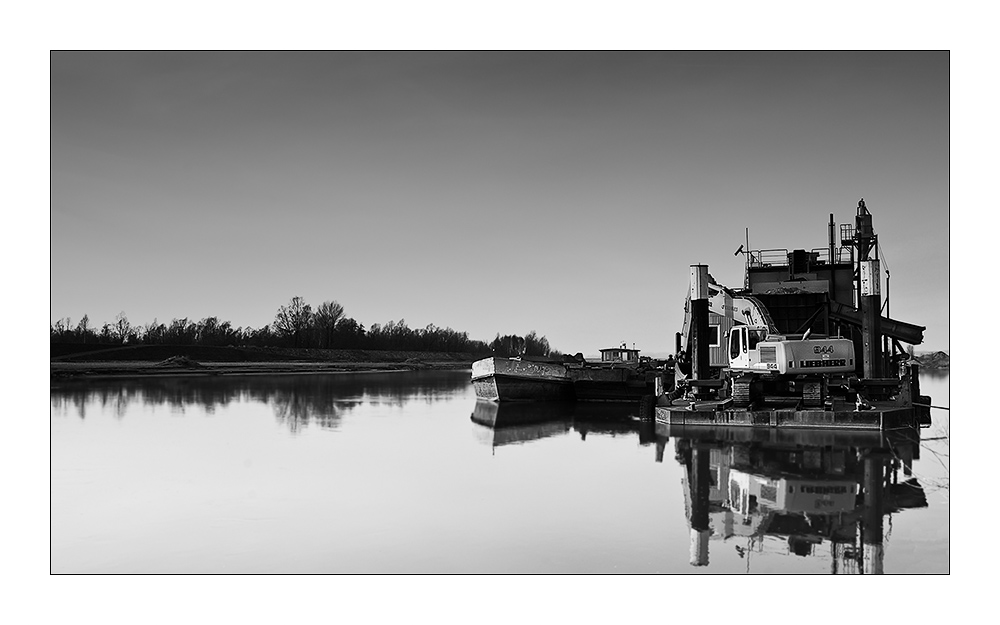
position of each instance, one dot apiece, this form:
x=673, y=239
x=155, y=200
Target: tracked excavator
x=831, y=341
x=754, y=360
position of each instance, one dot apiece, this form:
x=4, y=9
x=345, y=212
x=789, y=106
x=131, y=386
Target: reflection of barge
x=507, y=423
x=499, y=415
x=621, y=375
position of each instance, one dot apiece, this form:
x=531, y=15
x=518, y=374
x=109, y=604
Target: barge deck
x=879, y=417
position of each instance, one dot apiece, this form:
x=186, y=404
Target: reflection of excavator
x=757, y=359
x=795, y=492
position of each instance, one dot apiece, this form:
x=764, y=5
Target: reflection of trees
x=297, y=399
x=300, y=400
x=176, y=393
x=323, y=399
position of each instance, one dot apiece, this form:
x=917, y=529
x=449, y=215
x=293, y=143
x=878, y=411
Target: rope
x=928, y=482
x=930, y=406
x=881, y=255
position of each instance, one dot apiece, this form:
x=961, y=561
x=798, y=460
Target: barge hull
x=878, y=419
x=510, y=388
x=506, y=379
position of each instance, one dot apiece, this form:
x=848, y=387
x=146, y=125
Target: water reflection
x=800, y=493
x=806, y=488
x=228, y=493
x=297, y=400
x=518, y=423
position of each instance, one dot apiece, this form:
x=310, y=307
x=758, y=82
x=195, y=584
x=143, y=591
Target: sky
x=565, y=193
x=711, y=148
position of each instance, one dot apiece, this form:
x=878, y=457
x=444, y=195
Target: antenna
x=746, y=272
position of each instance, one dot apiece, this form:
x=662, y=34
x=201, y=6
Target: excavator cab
x=737, y=343
x=744, y=343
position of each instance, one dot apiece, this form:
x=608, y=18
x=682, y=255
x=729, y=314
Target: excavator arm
x=748, y=310
x=723, y=301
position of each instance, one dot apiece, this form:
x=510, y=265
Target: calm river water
x=391, y=473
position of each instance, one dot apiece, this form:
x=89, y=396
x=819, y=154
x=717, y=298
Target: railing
x=779, y=257
x=841, y=254
x=846, y=233
x=844, y=254
x=822, y=254
x=768, y=258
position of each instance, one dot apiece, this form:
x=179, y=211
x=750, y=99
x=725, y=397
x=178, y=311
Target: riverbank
x=75, y=362
x=936, y=362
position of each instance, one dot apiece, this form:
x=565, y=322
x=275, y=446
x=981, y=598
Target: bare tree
x=122, y=328
x=325, y=320
x=535, y=346
x=83, y=328
x=292, y=320
x=153, y=332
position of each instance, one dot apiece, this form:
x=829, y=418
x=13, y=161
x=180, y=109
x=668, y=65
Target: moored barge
x=510, y=379
x=620, y=376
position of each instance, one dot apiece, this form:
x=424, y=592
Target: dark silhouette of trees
x=511, y=345
x=325, y=321
x=153, y=333
x=62, y=331
x=535, y=345
x=181, y=332
x=292, y=321
x=507, y=345
x=211, y=331
x=122, y=329
x=350, y=334
x=262, y=337
x=296, y=325
x=83, y=328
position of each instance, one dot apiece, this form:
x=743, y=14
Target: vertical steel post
x=700, y=487
x=833, y=240
x=699, y=322
x=869, y=293
x=871, y=326
x=747, y=257
x=874, y=498
x=832, y=294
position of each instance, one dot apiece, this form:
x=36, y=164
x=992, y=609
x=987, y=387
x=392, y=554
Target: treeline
x=296, y=324
x=513, y=345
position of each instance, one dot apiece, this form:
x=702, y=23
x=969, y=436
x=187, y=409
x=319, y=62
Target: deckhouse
x=620, y=354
